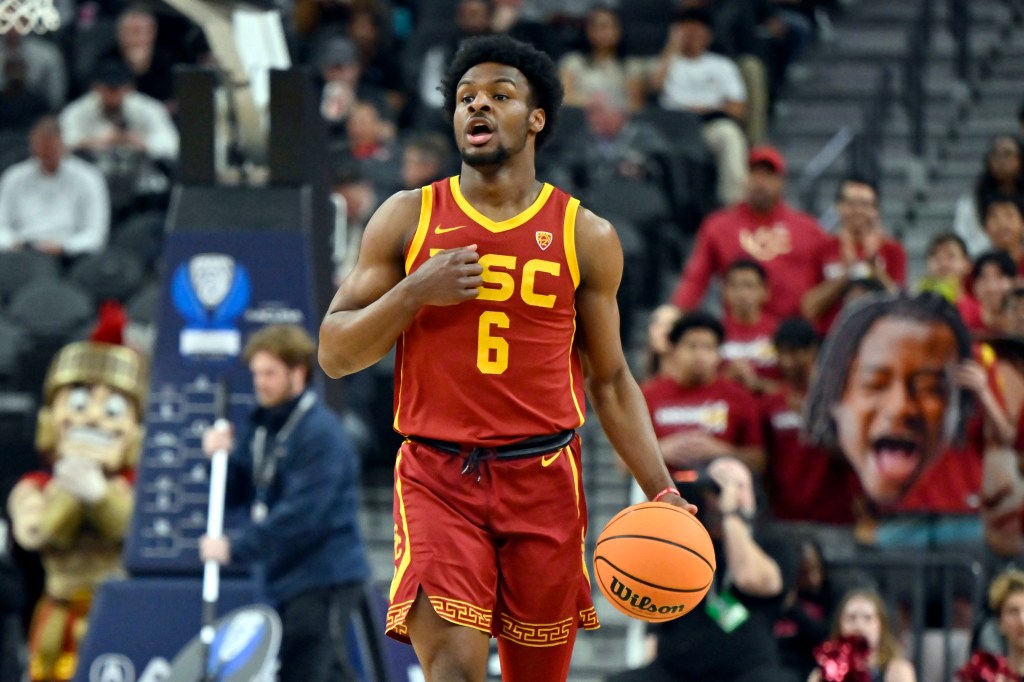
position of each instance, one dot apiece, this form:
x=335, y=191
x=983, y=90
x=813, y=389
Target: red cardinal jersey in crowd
x=501, y=367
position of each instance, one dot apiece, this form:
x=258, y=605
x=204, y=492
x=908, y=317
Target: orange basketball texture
x=654, y=561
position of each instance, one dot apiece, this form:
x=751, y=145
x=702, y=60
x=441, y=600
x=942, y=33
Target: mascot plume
x=76, y=513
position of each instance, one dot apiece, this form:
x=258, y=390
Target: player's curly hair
x=843, y=343
x=545, y=87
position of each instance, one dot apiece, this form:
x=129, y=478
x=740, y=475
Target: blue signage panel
x=219, y=287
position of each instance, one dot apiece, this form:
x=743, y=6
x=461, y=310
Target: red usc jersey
x=501, y=367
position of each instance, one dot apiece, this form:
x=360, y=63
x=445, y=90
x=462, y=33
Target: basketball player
x=500, y=292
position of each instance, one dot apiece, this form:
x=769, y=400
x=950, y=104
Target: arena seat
x=13, y=343
x=18, y=268
x=141, y=234
x=111, y=274
x=52, y=309
x=645, y=25
x=143, y=306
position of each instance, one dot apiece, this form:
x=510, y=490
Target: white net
x=27, y=16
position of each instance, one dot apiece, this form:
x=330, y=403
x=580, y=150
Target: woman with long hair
x=862, y=613
x=1002, y=175
x=600, y=63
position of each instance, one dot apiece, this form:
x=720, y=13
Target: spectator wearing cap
x=113, y=116
x=763, y=227
x=859, y=250
x=687, y=76
x=53, y=202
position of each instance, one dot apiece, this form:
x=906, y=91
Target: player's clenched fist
x=449, y=277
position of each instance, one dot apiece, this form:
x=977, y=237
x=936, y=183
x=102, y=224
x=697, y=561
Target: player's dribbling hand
x=449, y=277
x=677, y=501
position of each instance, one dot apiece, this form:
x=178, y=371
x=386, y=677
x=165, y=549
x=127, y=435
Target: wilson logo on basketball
x=544, y=240
x=628, y=596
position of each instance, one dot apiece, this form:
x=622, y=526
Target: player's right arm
x=377, y=301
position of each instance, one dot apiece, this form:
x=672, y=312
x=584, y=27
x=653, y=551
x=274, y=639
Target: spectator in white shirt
x=113, y=116
x=53, y=202
x=686, y=76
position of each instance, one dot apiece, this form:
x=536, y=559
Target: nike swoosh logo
x=442, y=230
x=546, y=461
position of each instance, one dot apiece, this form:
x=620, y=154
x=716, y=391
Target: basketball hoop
x=27, y=16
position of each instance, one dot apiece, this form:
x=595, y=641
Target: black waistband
x=528, y=447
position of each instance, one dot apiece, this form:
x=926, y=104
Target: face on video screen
x=891, y=413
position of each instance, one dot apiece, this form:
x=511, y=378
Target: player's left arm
x=613, y=391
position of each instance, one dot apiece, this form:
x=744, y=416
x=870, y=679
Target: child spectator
x=948, y=265
x=748, y=351
x=1004, y=225
x=992, y=278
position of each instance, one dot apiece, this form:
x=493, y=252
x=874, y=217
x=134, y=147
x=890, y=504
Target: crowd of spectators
x=669, y=97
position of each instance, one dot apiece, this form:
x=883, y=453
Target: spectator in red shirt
x=859, y=250
x=764, y=227
x=748, y=351
x=697, y=414
x=804, y=482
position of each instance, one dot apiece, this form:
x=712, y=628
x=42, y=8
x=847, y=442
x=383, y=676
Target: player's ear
x=538, y=119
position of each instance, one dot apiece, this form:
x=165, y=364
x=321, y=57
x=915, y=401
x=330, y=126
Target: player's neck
x=507, y=189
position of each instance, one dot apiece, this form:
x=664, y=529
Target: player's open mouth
x=479, y=132
x=896, y=457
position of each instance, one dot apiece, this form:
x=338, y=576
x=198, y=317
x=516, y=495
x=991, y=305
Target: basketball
x=654, y=561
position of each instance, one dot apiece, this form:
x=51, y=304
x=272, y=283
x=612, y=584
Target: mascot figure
x=76, y=513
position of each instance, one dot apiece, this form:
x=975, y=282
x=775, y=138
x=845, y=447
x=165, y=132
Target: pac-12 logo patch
x=543, y=239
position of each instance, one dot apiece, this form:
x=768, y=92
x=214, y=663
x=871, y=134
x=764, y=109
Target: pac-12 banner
x=219, y=287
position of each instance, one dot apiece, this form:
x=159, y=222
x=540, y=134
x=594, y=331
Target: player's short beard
x=496, y=157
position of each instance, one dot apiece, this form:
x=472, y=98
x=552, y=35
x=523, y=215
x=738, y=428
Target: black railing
x=915, y=66
x=865, y=157
x=862, y=148
x=959, y=23
x=914, y=582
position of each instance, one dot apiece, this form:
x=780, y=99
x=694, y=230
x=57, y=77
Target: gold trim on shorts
x=535, y=634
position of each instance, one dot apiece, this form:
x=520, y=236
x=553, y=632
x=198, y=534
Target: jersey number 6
x=491, y=351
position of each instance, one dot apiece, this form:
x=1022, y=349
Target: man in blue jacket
x=294, y=468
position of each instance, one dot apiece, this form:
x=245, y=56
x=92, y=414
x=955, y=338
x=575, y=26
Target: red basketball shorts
x=499, y=550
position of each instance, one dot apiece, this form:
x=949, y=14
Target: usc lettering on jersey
x=503, y=366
